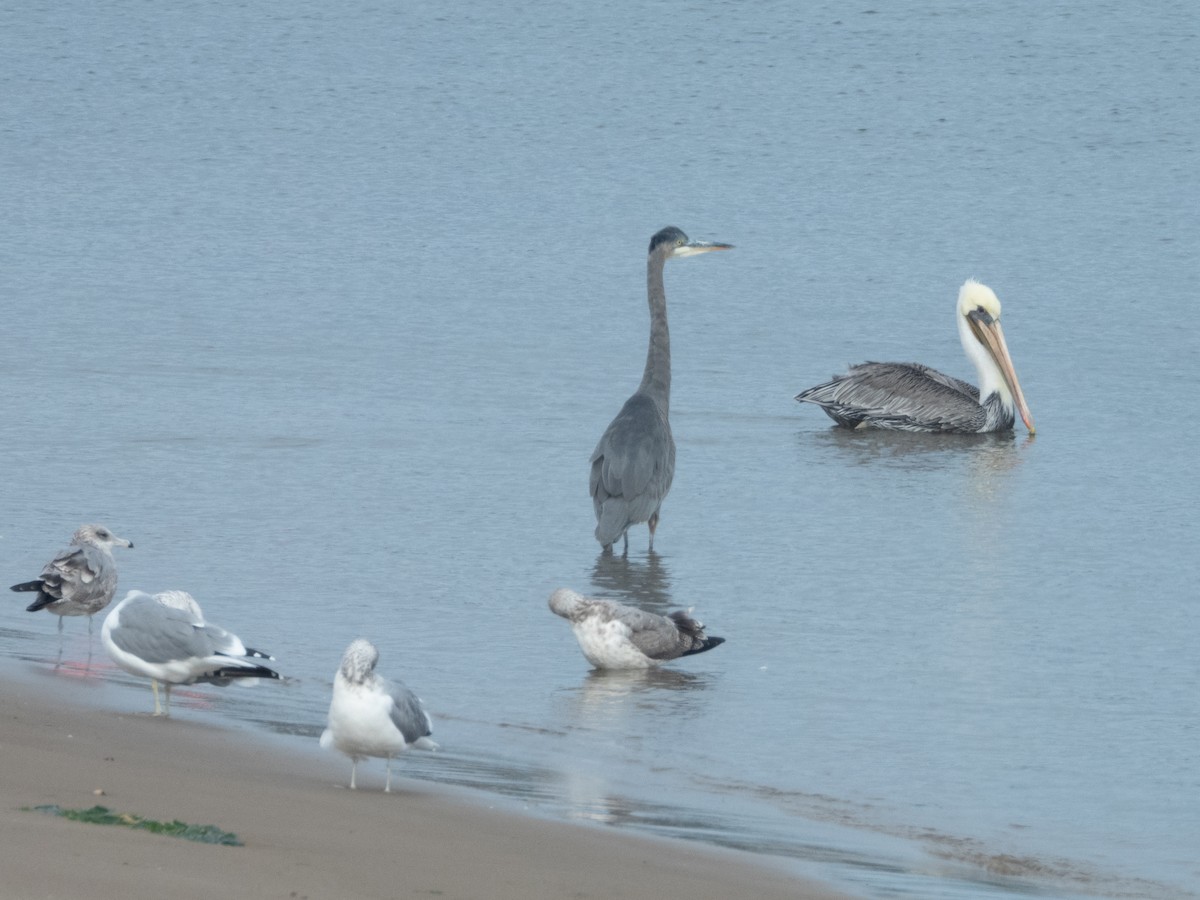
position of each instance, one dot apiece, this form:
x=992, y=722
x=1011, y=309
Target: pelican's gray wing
x=157, y=634
x=632, y=467
x=408, y=714
x=898, y=396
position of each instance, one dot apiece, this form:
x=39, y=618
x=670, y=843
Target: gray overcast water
x=325, y=307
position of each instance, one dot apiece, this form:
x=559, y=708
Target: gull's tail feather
x=28, y=586
x=259, y=654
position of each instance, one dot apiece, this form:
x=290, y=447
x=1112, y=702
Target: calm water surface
x=326, y=308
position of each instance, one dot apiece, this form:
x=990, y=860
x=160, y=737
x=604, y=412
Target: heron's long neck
x=656, y=380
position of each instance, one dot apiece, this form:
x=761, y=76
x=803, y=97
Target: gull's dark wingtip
x=709, y=643
x=42, y=601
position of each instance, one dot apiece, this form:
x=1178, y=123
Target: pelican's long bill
x=989, y=333
x=691, y=248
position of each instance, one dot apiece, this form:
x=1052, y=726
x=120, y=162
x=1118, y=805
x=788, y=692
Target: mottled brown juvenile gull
x=615, y=636
x=165, y=638
x=371, y=716
x=81, y=579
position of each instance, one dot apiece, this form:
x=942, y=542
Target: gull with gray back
x=615, y=636
x=81, y=579
x=372, y=716
x=165, y=638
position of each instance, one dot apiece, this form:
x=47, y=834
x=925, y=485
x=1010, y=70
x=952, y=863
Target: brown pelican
x=913, y=397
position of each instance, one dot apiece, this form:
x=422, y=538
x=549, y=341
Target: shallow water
x=325, y=310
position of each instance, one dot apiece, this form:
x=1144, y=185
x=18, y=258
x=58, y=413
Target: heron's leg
x=653, y=523
x=625, y=543
x=387, y=788
x=353, y=772
x=167, y=704
x=154, y=687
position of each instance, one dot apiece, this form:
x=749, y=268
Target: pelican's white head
x=983, y=341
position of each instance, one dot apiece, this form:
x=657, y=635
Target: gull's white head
x=98, y=536
x=358, y=662
x=565, y=602
x=180, y=600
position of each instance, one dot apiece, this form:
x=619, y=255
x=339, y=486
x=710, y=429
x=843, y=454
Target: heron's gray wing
x=901, y=396
x=408, y=715
x=160, y=634
x=634, y=462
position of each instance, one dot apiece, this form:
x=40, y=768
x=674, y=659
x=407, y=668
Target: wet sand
x=306, y=835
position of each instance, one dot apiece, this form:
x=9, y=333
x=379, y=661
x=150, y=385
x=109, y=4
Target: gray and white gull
x=372, y=716
x=165, y=638
x=615, y=636
x=81, y=579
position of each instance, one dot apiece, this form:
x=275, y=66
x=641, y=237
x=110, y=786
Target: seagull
x=165, y=638
x=615, y=636
x=371, y=716
x=81, y=579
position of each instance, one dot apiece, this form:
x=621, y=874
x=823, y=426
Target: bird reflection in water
x=916, y=450
x=608, y=696
x=642, y=583
x=986, y=459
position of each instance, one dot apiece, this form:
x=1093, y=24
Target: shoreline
x=306, y=835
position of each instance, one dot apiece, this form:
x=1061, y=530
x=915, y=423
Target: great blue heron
x=81, y=579
x=165, y=638
x=634, y=462
x=913, y=397
x=371, y=716
x=615, y=636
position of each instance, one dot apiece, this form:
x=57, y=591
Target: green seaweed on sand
x=102, y=815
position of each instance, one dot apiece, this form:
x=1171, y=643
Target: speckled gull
x=165, y=638
x=81, y=579
x=371, y=716
x=615, y=636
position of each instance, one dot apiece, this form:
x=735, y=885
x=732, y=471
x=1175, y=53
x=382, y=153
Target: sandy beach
x=305, y=834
